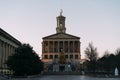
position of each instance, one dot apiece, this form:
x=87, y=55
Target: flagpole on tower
x=61, y=11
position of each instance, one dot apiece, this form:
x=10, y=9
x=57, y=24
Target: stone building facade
x=8, y=44
x=61, y=43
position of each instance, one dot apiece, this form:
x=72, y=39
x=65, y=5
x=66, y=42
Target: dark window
x=56, y=56
x=71, y=56
x=66, y=56
x=51, y=56
x=45, y=46
x=76, y=56
x=51, y=46
x=56, y=47
x=46, y=56
x=46, y=49
x=71, y=46
x=60, y=46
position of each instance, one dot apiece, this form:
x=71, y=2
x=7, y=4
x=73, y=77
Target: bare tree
x=91, y=55
x=117, y=52
x=106, y=54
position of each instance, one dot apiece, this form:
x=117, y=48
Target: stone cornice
x=61, y=36
x=8, y=36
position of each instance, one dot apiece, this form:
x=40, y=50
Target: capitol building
x=61, y=51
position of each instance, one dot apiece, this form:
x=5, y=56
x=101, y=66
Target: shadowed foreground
x=66, y=77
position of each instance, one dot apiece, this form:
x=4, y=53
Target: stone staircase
x=61, y=73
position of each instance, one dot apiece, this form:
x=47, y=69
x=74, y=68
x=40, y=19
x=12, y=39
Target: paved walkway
x=66, y=77
x=2, y=78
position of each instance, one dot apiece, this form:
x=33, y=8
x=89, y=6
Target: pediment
x=61, y=36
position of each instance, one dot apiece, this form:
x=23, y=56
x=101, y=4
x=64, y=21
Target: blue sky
x=92, y=20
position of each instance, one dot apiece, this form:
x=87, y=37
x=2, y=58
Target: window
x=76, y=56
x=46, y=56
x=56, y=47
x=71, y=46
x=66, y=56
x=66, y=46
x=71, y=56
x=45, y=46
x=61, y=46
x=56, y=56
x=51, y=56
x=51, y=46
x=76, y=46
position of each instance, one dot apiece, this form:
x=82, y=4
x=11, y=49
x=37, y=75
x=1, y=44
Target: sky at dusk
x=91, y=20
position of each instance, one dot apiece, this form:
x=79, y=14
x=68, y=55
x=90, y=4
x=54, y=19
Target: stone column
x=0, y=53
x=79, y=46
x=68, y=46
x=63, y=46
x=6, y=55
x=53, y=46
x=12, y=51
x=3, y=58
x=9, y=49
x=58, y=46
x=43, y=47
x=0, y=46
x=48, y=46
x=68, y=51
x=6, y=51
x=73, y=46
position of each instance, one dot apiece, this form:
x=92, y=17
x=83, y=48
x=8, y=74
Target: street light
x=81, y=66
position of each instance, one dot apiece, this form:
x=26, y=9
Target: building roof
x=61, y=36
x=8, y=36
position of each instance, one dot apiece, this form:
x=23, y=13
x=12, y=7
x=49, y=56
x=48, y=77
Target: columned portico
x=5, y=50
x=55, y=46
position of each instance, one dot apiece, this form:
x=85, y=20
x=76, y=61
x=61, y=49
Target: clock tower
x=60, y=24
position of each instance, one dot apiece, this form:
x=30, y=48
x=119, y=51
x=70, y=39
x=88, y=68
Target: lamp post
x=82, y=68
x=81, y=65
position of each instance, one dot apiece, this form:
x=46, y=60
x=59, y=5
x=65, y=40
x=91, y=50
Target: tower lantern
x=60, y=23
